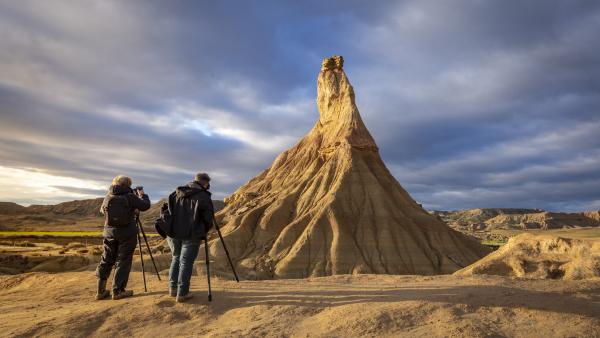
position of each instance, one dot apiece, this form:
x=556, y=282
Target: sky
x=473, y=104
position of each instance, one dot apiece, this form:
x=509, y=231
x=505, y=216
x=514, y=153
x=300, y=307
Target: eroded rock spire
x=329, y=206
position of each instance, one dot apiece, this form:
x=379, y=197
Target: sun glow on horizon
x=31, y=184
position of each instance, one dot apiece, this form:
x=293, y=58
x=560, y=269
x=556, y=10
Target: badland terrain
x=328, y=243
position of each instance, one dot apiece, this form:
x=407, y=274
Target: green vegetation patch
x=56, y=234
x=493, y=243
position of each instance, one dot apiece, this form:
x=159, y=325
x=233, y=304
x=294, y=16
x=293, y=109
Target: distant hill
x=78, y=215
x=542, y=220
x=84, y=215
x=89, y=208
x=487, y=219
x=10, y=208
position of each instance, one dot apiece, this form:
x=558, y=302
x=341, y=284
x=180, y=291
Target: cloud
x=488, y=113
x=30, y=185
x=473, y=104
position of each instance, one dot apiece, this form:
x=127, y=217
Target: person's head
x=122, y=180
x=203, y=179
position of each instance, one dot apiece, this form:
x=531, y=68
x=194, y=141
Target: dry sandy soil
x=43, y=304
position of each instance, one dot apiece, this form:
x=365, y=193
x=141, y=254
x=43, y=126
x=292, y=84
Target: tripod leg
x=226, y=251
x=148, y=247
x=207, y=269
x=142, y=261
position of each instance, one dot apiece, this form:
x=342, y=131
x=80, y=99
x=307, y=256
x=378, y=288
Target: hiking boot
x=120, y=294
x=102, y=293
x=183, y=298
x=173, y=292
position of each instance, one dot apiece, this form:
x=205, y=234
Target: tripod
x=141, y=229
x=207, y=258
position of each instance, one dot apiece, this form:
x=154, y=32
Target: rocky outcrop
x=503, y=218
x=330, y=206
x=542, y=220
x=595, y=215
x=546, y=257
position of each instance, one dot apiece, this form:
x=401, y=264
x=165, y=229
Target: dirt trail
x=41, y=304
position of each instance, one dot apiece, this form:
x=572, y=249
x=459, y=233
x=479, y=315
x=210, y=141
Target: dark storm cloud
x=473, y=104
x=497, y=106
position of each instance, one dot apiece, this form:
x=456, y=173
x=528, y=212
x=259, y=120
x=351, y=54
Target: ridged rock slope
x=543, y=256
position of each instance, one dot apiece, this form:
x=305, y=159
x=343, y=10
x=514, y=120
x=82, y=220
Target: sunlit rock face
x=540, y=257
x=330, y=206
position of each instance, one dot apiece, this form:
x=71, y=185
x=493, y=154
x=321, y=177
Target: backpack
x=164, y=223
x=118, y=211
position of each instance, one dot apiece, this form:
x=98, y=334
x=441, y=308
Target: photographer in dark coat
x=192, y=213
x=120, y=208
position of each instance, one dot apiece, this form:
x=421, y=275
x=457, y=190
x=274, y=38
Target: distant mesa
x=491, y=219
x=329, y=206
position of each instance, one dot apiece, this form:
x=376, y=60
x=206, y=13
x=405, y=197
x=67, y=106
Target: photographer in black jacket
x=192, y=213
x=120, y=208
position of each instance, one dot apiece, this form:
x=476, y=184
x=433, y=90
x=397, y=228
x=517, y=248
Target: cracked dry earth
x=61, y=305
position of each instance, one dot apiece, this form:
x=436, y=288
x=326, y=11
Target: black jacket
x=191, y=210
x=135, y=202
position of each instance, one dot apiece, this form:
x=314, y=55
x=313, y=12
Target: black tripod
x=207, y=258
x=141, y=229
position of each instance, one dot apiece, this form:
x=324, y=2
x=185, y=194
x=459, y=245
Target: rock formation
x=543, y=220
x=489, y=219
x=330, y=206
x=546, y=257
x=595, y=215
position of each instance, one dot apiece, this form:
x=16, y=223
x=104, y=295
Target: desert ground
x=61, y=305
x=47, y=287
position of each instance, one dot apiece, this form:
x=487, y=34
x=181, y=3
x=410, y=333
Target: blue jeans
x=184, y=254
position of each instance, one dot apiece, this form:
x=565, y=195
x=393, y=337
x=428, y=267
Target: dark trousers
x=117, y=253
